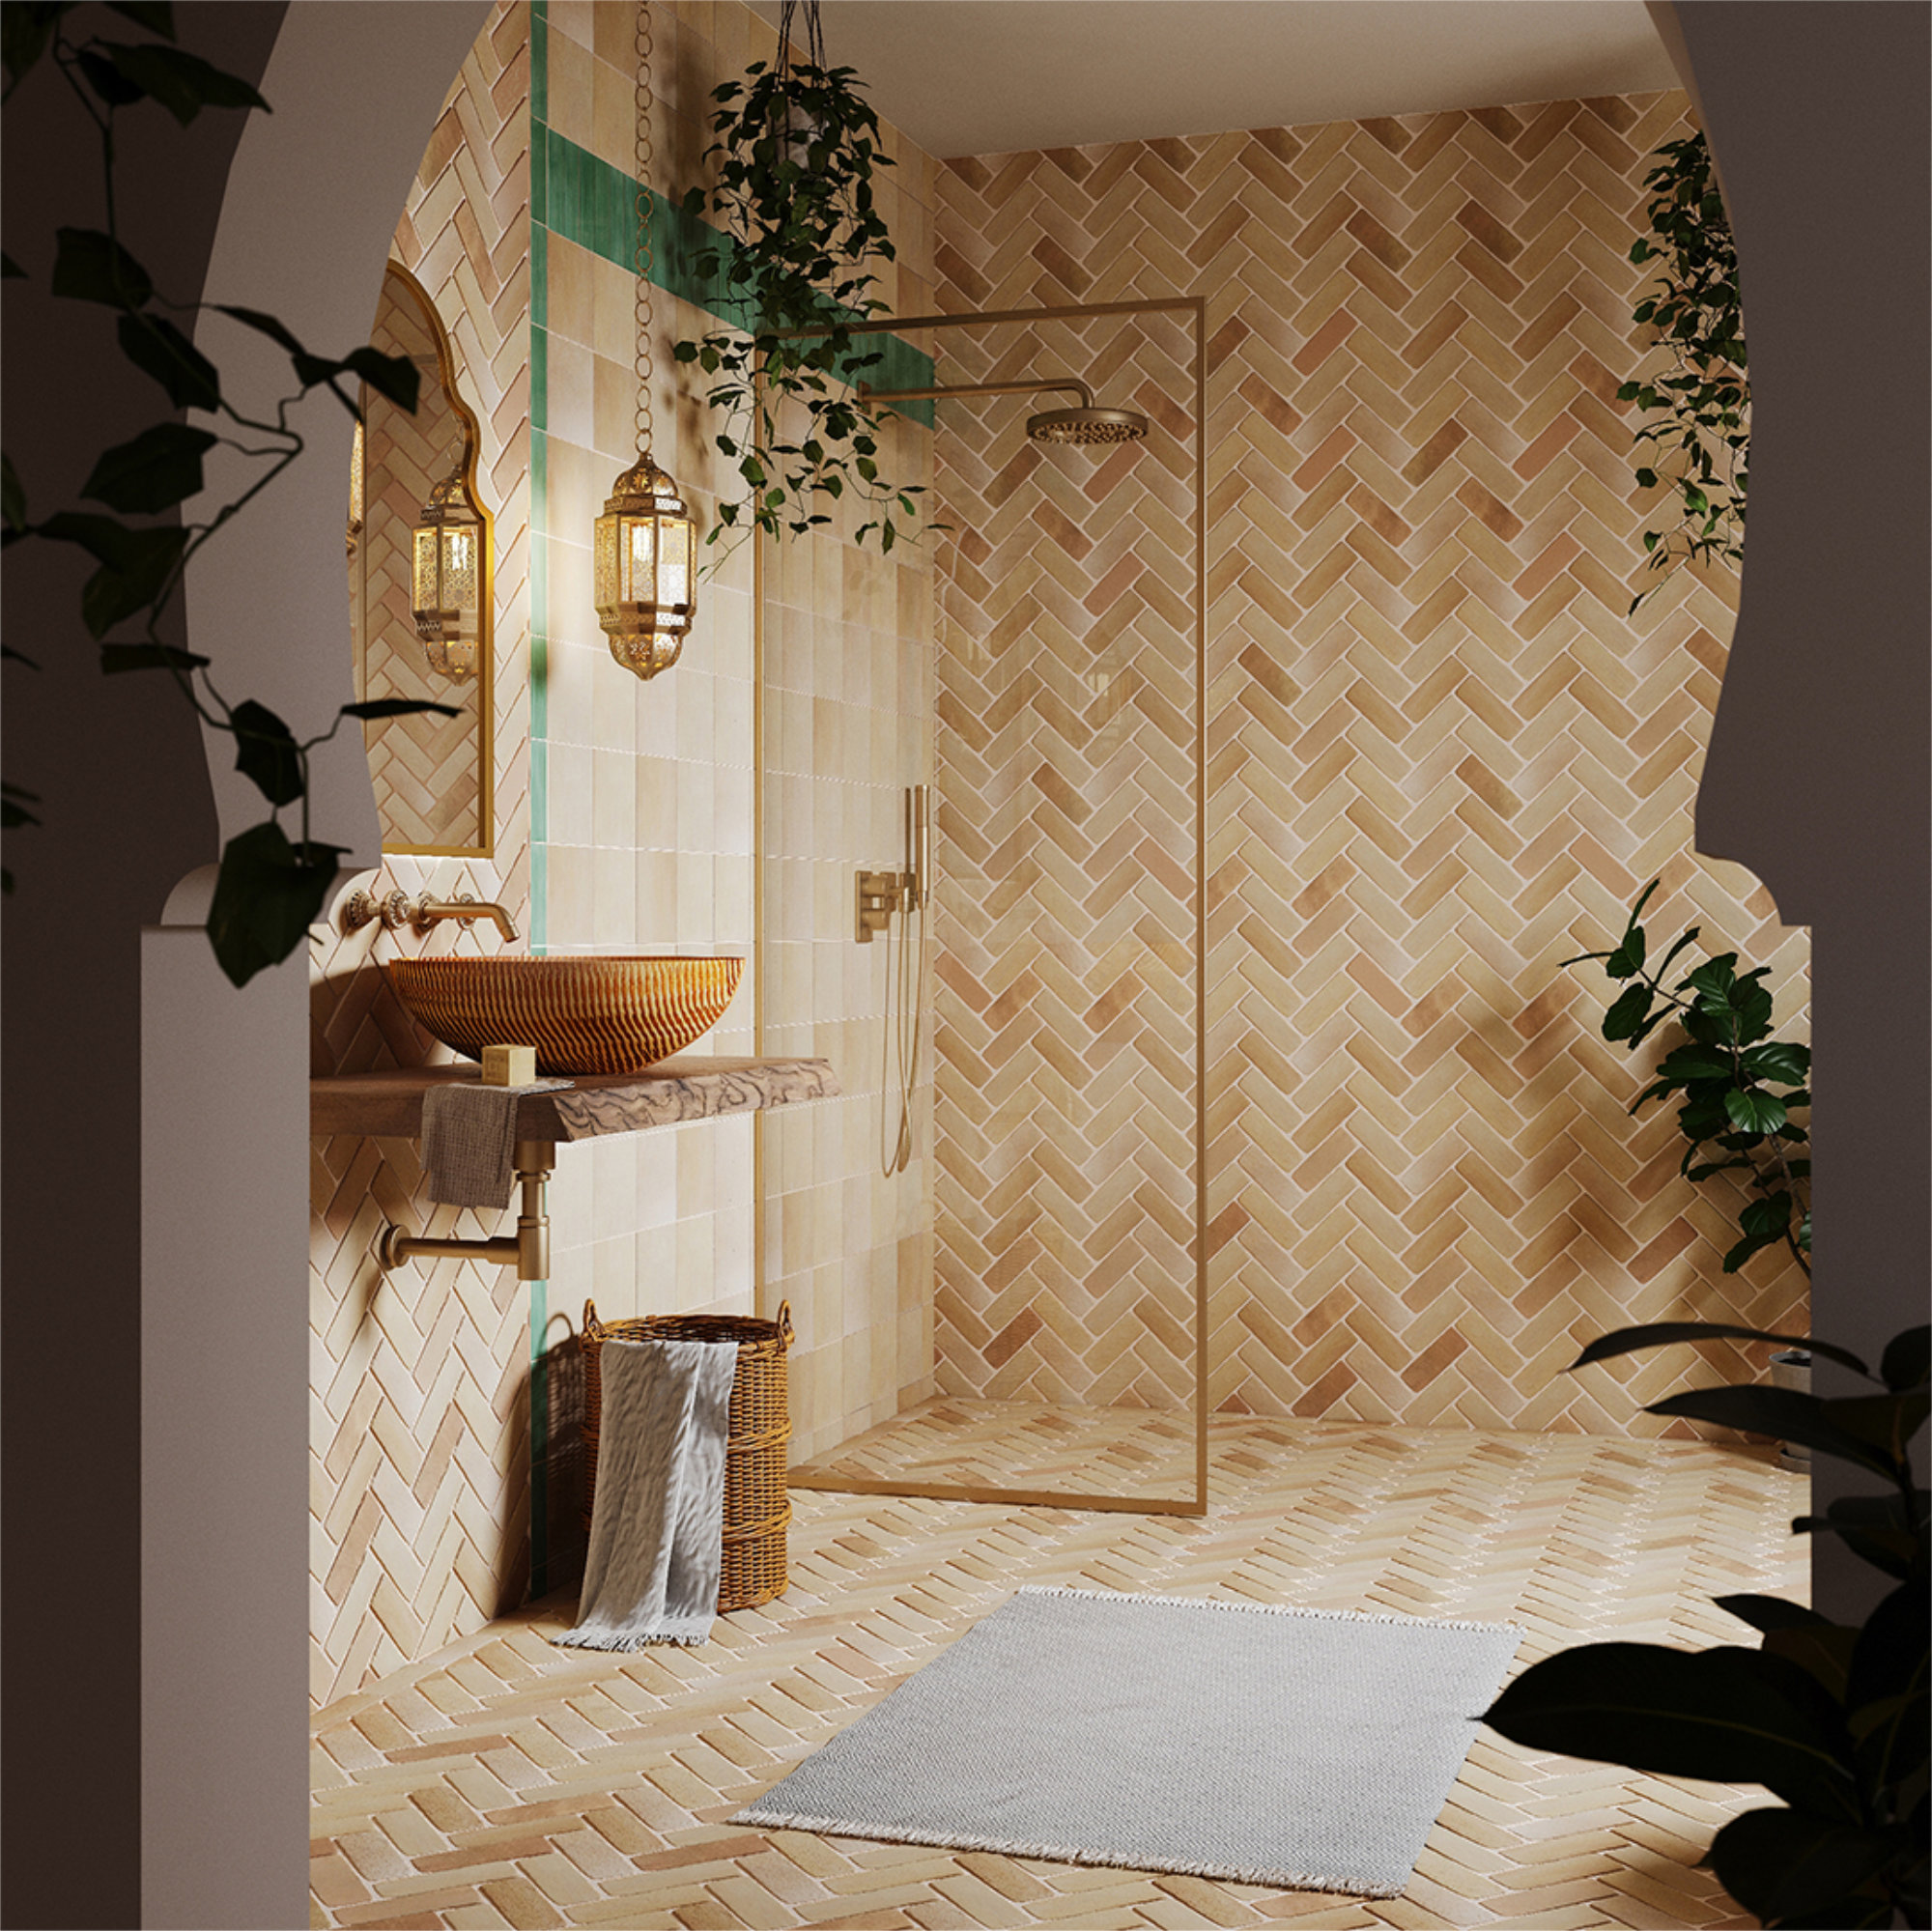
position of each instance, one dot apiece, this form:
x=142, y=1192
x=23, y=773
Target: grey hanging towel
x=470, y=1138
x=657, y=1530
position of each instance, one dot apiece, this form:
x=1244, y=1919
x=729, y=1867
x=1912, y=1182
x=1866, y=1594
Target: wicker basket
x=757, y=1508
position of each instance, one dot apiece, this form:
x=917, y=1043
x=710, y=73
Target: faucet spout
x=427, y=912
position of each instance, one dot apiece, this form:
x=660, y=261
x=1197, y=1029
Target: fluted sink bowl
x=582, y=1015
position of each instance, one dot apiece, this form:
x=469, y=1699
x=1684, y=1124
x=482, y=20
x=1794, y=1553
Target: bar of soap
x=509, y=1065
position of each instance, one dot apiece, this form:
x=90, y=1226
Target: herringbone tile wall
x=1440, y=755
x=418, y=1389
x=426, y=768
x=1065, y=998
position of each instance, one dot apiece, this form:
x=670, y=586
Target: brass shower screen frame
x=1194, y=307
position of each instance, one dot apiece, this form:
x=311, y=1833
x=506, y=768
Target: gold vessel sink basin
x=583, y=1014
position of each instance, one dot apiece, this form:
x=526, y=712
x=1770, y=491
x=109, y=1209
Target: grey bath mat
x=1297, y=1747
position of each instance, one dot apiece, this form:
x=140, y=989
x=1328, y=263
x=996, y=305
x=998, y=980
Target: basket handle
x=593, y=1328
x=787, y=1333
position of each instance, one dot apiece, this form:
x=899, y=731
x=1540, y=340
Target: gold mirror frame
x=375, y=624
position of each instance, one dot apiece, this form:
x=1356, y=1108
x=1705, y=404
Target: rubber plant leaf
x=1657, y=1333
x=1731, y=1715
x=1779, y=1863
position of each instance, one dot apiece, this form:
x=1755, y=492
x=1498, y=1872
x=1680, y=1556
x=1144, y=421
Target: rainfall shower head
x=1087, y=426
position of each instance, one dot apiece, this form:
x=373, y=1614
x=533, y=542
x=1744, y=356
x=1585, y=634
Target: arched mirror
x=415, y=512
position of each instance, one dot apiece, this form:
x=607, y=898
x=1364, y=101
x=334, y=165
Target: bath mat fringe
x=1273, y=1608
x=1061, y=1854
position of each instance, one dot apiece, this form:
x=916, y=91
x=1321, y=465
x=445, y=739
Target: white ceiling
x=992, y=77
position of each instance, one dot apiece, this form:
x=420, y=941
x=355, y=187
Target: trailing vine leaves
x=1830, y=1717
x=1739, y=1088
x=798, y=147
x=271, y=887
x=1696, y=439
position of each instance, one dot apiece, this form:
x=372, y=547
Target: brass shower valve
x=881, y=893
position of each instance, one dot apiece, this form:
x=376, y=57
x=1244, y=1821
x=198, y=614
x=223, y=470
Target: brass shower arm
x=1065, y=386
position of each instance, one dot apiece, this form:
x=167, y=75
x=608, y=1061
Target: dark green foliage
x=1737, y=1088
x=269, y=893
x=271, y=888
x=798, y=146
x=1832, y=1718
x=1697, y=439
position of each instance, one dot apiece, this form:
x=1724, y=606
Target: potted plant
x=797, y=147
x=1739, y=1090
x=1830, y=1717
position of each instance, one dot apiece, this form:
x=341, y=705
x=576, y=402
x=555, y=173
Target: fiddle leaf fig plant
x=1696, y=435
x=798, y=147
x=270, y=886
x=1739, y=1089
x=1830, y=1717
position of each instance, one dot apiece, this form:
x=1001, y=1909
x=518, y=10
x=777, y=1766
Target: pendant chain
x=644, y=259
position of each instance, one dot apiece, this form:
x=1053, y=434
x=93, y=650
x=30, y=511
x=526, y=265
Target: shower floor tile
x=509, y=1782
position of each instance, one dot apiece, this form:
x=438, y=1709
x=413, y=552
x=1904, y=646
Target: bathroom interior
x=1221, y=1173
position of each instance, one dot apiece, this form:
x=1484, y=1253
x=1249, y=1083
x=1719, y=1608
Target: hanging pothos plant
x=797, y=147
x=269, y=886
x=1697, y=429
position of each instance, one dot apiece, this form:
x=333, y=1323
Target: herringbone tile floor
x=508, y=1782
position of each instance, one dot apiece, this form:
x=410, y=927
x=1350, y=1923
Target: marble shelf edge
x=388, y=1105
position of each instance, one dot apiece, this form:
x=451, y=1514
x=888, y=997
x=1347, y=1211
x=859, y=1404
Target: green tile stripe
x=539, y=252
x=595, y=205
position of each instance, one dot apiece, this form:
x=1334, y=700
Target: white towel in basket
x=656, y=1525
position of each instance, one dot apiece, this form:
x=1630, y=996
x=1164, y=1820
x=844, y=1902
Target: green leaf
x=265, y=752
x=394, y=377
x=1783, y=1412
x=268, y=894
x=1782, y=1865
x=1877, y=1529
x=1778, y=1060
x=1625, y=1020
x=107, y=81
x=263, y=324
x=398, y=707
x=1661, y=1333
x=1908, y=1359
x=1754, y=1111
x=1766, y=1613
x=118, y=657
x=1731, y=1715
x=159, y=467
x=132, y=581
x=90, y=265
x=1627, y=958
x=159, y=349
x=13, y=494
x=183, y=83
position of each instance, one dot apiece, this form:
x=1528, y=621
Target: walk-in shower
x=1061, y=1264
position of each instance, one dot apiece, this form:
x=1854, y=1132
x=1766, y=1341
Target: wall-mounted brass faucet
x=423, y=912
